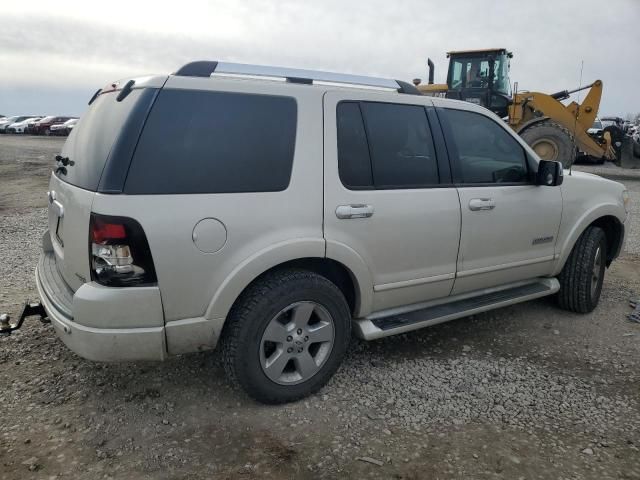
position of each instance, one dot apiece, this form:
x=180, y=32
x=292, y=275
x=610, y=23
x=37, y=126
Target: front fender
x=567, y=243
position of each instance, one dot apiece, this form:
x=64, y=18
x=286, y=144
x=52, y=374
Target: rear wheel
x=550, y=141
x=582, y=276
x=286, y=336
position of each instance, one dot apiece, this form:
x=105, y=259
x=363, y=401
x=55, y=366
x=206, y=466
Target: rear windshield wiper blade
x=95, y=95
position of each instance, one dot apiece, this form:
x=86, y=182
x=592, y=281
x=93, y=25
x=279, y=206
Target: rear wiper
x=126, y=90
x=95, y=95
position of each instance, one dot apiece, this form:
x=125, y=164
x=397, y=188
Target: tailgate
x=69, y=214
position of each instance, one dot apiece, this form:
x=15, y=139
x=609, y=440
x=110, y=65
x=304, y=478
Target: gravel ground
x=524, y=392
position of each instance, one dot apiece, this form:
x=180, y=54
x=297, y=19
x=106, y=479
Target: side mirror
x=549, y=173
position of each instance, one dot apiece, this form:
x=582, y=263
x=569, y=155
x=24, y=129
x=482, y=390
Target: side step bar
x=377, y=326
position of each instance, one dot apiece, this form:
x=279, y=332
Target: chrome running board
x=392, y=322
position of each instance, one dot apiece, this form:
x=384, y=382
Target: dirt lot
x=519, y=393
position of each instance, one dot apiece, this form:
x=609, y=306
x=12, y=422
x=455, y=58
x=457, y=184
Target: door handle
x=476, y=204
x=354, y=211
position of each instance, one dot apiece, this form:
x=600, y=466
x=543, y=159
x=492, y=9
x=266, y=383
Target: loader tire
x=550, y=141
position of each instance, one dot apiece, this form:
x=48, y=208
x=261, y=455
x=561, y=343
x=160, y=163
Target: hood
x=596, y=182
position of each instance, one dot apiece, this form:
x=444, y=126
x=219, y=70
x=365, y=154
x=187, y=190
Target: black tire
x=253, y=312
x=551, y=141
x=577, y=290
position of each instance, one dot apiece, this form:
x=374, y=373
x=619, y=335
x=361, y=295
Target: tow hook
x=28, y=310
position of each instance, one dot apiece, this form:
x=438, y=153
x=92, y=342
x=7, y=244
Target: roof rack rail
x=294, y=75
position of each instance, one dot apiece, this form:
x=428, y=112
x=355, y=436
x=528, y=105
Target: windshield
x=597, y=124
x=474, y=71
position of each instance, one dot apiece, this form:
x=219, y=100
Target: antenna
x=575, y=120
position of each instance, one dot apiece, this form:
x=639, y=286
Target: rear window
x=402, y=150
x=354, y=163
x=385, y=146
x=214, y=142
x=90, y=142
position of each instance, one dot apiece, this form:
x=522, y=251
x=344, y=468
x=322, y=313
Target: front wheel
x=582, y=276
x=286, y=336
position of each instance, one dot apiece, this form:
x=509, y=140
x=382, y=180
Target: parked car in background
x=42, y=127
x=612, y=121
x=596, y=128
x=63, y=128
x=20, y=127
x=5, y=122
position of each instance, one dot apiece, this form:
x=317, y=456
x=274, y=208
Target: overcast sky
x=54, y=55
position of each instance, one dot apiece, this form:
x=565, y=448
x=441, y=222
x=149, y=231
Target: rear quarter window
x=214, y=142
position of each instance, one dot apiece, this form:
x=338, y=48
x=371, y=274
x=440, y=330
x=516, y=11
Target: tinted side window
x=354, y=164
x=486, y=152
x=401, y=145
x=214, y=142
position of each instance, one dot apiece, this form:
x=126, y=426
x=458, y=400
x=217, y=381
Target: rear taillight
x=119, y=252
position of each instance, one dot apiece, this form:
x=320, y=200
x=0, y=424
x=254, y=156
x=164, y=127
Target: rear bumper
x=81, y=321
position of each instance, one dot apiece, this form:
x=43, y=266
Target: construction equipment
x=554, y=130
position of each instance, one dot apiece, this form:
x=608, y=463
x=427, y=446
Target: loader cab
x=481, y=77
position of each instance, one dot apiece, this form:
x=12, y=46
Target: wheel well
x=334, y=271
x=614, y=232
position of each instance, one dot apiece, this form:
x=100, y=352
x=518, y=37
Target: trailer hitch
x=28, y=310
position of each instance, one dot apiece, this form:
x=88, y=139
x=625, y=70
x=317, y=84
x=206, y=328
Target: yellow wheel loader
x=554, y=130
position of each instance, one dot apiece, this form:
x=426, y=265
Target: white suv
x=274, y=211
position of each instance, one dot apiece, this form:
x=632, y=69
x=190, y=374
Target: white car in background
x=596, y=128
x=63, y=128
x=20, y=127
x=5, y=122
